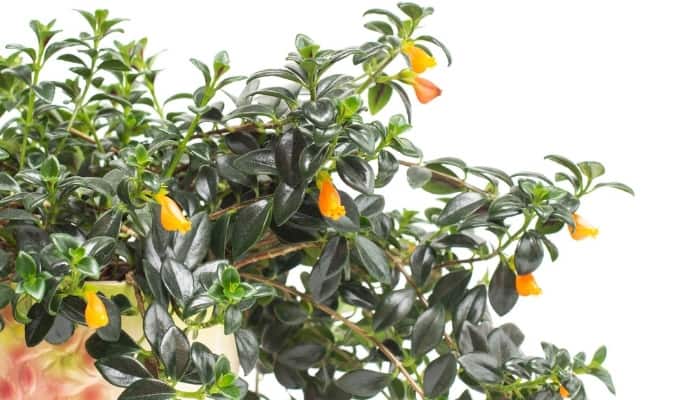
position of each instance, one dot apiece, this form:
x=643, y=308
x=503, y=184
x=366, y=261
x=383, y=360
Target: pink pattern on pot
x=48, y=372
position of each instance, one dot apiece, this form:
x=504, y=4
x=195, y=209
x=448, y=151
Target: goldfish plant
x=254, y=204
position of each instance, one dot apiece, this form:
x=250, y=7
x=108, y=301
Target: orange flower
x=526, y=285
x=328, y=199
x=419, y=59
x=582, y=229
x=563, y=392
x=171, y=217
x=425, y=90
x=95, y=311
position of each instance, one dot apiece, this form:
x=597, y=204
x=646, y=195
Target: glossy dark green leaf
x=393, y=308
x=422, y=261
x=378, y=96
x=591, y=169
x=107, y=224
x=471, y=339
x=287, y=201
x=418, y=176
x=388, y=166
x=121, y=371
x=615, y=185
x=428, y=330
x=232, y=319
x=206, y=182
x=568, y=164
x=174, y=350
x=178, y=280
x=369, y=204
x=405, y=99
x=451, y=288
x=288, y=151
x=356, y=173
x=472, y=307
x=98, y=348
x=363, y=383
x=39, y=326
x=481, y=367
x=61, y=330
x=247, y=346
x=248, y=226
x=501, y=346
x=460, y=207
x=302, y=356
x=6, y=295
x=324, y=279
x=373, y=258
x=257, y=162
x=156, y=322
x=502, y=293
x=439, y=375
x=358, y=295
x=529, y=253
x=148, y=389
x=320, y=113
x=112, y=331
x=311, y=159
x=604, y=376
x=431, y=39
x=192, y=247
x=204, y=360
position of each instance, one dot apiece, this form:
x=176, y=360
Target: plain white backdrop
x=612, y=81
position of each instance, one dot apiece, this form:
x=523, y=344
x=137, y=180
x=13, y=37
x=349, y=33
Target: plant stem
x=274, y=253
x=450, y=180
x=378, y=71
x=182, y=146
x=29, y=117
x=351, y=325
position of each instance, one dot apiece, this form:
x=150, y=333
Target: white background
x=613, y=81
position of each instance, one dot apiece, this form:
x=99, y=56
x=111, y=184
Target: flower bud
x=171, y=216
x=418, y=58
x=526, y=285
x=582, y=229
x=95, y=311
x=329, y=203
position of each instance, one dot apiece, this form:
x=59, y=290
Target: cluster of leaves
x=387, y=304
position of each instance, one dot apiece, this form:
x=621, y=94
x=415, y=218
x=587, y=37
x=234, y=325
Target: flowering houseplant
x=210, y=209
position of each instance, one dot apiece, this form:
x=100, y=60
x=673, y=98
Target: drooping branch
x=338, y=317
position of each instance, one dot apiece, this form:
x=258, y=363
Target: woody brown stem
x=274, y=253
x=137, y=292
x=351, y=325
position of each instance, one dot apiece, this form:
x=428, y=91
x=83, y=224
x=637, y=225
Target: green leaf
x=568, y=164
x=288, y=151
x=430, y=39
x=356, y=173
x=414, y=11
x=113, y=65
x=202, y=67
x=25, y=266
x=221, y=63
x=529, y=253
x=460, y=207
x=257, y=162
x=598, y=357
x=6, y=295
x=393, y=308
x=321, y=113
x=148, y=389
x=174, y=350
x=502, y=293
x=380, y=26
x=232, y=319
x=481, y=367
x=615, y=185
x=178, y=280
x=204, y=360
x=378, y=96
x=325, y=275
x=392, y=17
x=373, y=258
x=156, y=322
x=112, y=331
x=192, y=247
x=248, y=226
x=39, y=326
x=247, y=345
x=302, y=356
x=98, y=348
x=418, y=176
x=88, y=266
x=428, y=330
x=604, y=376
x=421, y=262
x=472, y=307
x=287, y=201
x=591, y=169
x=439, y=375
x=405, y=99
x=363, y=383
x=50, y=169
x=121, y=371
x=8, y=183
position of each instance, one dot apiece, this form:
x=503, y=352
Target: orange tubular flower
x=526, y=285
x=171, y=217
x=95, y=311
x=582, y=230
x=328, y=199
x=425, y=90
x=419, y=59
x=563, y=392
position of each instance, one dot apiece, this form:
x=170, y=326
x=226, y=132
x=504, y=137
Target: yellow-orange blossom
x=582, y=229
x=95, y=311
x=329, y=203
x=419, y=59
x=171, y=216
x=526, y=285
